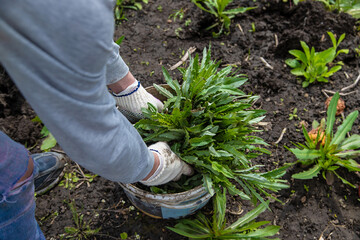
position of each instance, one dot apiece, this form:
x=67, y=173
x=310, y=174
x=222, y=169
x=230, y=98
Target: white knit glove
x=133, y=99
x=171, y=167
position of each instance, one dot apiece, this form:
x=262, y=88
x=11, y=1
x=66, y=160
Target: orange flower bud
x=313, y=135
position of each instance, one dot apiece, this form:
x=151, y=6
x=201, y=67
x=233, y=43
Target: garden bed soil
x=311, y=209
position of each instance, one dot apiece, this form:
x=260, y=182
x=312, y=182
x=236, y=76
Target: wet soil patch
x=311, y=209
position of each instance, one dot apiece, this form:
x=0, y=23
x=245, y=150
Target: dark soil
x=311, y=209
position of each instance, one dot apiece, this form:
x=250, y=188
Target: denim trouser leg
x=17, y=202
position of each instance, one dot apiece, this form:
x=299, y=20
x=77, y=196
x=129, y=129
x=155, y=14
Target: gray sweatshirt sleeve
x=61, y=58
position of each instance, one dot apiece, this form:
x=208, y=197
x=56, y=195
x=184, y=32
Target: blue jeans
x=17, y=202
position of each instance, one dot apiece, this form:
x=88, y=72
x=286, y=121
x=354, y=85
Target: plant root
x=276, y=40
x=240, y=28
x=352, y=85
x=341, y=92
x=281, y=136
x=266, y=63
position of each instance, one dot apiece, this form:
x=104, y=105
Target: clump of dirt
x=16, y=114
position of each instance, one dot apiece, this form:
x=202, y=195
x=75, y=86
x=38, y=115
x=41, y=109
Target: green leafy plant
x=244, y=228
x=82, y=229
x=121, y=5
x=223, y=17
x=336, y=151
x=313, y=65
x=208, y=122
x=351, y=7
x=49, y=142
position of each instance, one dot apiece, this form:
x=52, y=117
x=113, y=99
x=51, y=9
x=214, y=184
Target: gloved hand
x=132, y=99
x=171, y=167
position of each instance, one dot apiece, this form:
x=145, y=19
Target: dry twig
x=83, y=175
x=341, y=94
x=240, y=28
x=266, y=63
x=59, y=151
x=323, y=91
x=281, y=136
x=276, y=40
x=352, y=85
x=184, y=58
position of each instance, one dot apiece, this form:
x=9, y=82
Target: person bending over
x=61, y=56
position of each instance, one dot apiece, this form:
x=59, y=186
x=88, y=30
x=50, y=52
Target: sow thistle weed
x=208, y=121
x=328, y=152
x=313, y=65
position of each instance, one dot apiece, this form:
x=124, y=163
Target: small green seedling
x=177, y=14
x=357, y=51
x=49, y=142
x=351, y=7
x=120, y=40
x=223, y=17
x=51, y=217
x=72, y=180
x=293, y=115
x=82, y=229
x=123, y=235
x=178, y=30
x=253, y=29
x=313, y=65
x=329, y=151
x=121, y=5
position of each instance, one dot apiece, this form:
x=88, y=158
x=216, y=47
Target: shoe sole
x=50, y=186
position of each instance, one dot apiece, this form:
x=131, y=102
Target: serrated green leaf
x=293, y=63
x=353, y=142
x=344, y=128
x=308, y=174
x=249, y=216
x=331, y=112
x=306, y=154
